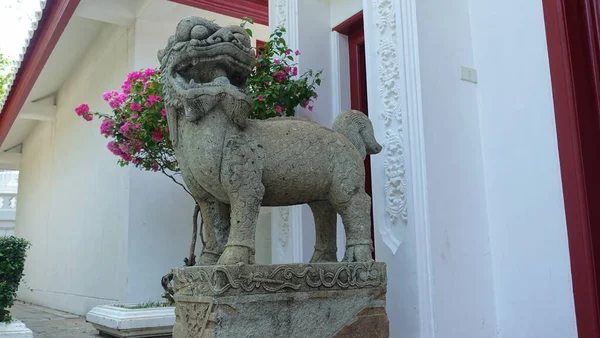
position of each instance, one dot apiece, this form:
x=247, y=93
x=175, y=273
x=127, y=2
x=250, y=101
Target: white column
x=398, y=172
x=308, y=27
x=286, y=222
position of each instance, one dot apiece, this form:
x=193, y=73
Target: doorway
x=353, y=28
x=573, y=36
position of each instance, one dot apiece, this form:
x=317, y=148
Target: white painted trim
x=296, y=232
x=417, y=163
x=121, y=322
x=15, y=329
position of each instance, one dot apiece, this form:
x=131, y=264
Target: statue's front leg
x=245, y=207
x=215, y=217
x=241, y=176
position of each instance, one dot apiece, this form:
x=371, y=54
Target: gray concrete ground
x=48, y=323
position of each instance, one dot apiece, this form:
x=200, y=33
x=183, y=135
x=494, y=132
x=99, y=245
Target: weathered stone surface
x=232, y=165
x=296, y=300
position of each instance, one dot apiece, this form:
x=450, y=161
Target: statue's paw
x=235, y=254
x=208, y=258
x=358, y=253
x=320, y=256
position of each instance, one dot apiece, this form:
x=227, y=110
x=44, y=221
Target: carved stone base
x=296, y=300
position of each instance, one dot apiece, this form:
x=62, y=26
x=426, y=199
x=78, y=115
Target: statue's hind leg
x=356, y=216
x=215, y=218
x=350, y=200
x=325, y=229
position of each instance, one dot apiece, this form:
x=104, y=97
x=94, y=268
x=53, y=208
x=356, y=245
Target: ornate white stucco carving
x=389, y=77
x=281, y=13
x=284, y=226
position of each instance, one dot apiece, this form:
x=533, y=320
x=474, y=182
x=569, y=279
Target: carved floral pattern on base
x=236, y=279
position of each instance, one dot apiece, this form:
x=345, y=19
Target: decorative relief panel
x=389, y=77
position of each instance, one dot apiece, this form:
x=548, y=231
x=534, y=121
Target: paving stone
x=49, y=323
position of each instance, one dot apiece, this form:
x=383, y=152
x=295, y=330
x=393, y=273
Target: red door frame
x=573, y=35
x=353, y=27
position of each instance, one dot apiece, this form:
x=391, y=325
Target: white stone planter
x=121, y=322
x=15, y=329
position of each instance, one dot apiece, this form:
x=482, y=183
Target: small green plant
x=146, y=305
x=13, y=251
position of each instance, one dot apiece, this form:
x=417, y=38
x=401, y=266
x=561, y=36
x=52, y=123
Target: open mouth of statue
x=206, y=71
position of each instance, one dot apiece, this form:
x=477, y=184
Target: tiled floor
x=48, y=323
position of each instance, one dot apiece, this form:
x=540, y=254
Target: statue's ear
x=239, y=111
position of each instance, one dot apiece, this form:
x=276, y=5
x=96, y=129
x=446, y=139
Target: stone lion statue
x=233, y=165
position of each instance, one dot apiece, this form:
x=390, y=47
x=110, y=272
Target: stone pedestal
x=296, y=300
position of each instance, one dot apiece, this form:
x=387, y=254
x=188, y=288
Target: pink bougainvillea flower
x=126, y=87
x=137, y=126
x=260, y=98
x=157, y=135
x=106, y=125
x=297, y=52
x=149, y=72
x=107, y=95
x=134, y=75
x=82, y=109
x=124, y=128
x=277, y=61
x=316, y=96
x=278, y=109
x=306, y=102
x=113, y=148
x=88, y=117
x=310, y=108
x=154, y=98
x=280, y=76
x=288, y=51
x=288, y=69
x=126, y=157
x=135, y=107
x=295, y=71
x=163, y=112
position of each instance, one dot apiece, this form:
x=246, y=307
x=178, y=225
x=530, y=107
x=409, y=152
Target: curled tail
x=357, y=128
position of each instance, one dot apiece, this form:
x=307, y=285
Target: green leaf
x=249, y=31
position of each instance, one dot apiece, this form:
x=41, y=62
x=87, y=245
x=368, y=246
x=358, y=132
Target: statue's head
x=204, y=65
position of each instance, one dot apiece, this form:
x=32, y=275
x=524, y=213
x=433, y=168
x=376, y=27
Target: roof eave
x=55, y=17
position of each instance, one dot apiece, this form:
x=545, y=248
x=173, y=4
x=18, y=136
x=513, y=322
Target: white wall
x=74, y=199
x=532, y=276
x=462, y=277
x=341, y=10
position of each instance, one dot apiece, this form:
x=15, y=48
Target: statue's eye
x=199, y=32
x=242, y=38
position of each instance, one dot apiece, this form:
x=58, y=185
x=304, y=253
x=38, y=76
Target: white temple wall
x=73, y=197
